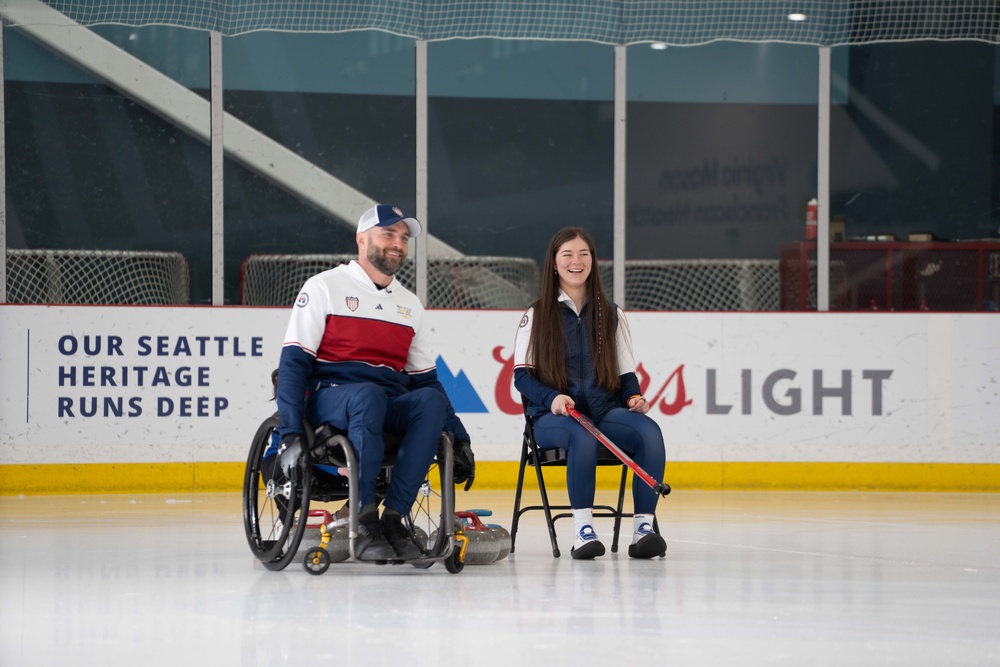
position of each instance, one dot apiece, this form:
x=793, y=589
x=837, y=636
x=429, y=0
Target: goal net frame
x=469, y=282
x=102, y=277
x=512, y=282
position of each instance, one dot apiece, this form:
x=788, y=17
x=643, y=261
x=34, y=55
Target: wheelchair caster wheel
x=316, y=561
x=454, y=562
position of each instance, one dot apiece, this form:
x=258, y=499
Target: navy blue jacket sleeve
x=533, y=389
x=629, y=387
x=294, y=369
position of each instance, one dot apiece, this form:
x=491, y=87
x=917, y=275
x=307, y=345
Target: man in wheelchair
x=356, y=356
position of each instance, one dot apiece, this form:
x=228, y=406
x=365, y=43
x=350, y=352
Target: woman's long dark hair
x=547, y=343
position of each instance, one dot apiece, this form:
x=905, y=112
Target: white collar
x=565, y=298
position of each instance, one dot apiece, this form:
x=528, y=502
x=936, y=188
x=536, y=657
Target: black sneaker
x=586, y=546
x=649, y=545
x=398, y=535
x=371, y=545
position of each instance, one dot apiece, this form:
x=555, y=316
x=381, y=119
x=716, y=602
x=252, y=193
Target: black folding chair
x=532, y=455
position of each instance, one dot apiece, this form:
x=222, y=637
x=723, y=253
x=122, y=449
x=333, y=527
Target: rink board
x=132, y=395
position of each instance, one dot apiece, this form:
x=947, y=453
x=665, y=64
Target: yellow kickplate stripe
x=60, y=478
x=34, y=479
x=775, y=475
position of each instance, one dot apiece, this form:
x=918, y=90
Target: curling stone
x=503, y=539
x=483, y=546
x=310, y=539
x=482, y=539
x=339, y=546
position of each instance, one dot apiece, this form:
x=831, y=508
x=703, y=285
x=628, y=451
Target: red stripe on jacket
x=369, y=341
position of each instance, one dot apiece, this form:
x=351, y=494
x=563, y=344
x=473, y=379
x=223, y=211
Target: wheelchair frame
x=276, y=516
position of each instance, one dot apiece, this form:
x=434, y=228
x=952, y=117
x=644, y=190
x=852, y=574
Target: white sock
x=584, y=521
x=583, y=517
x=637, y=521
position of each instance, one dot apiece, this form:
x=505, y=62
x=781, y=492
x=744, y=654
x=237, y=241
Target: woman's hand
x=560, y=403
x=638, y=404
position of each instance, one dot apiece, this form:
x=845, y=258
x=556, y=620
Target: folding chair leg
x=517, y=503
x=548, y=512
x=618, y=512
x=518, y=511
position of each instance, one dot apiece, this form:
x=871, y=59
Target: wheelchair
x=277, y=514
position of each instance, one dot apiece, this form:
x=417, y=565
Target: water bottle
x=812, y=218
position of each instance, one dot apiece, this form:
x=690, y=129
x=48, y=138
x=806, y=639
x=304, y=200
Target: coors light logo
x=781, y=391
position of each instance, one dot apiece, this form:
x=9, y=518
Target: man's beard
x=379, y=260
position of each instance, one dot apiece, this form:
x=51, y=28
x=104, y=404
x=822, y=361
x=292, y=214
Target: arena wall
x=127, y=399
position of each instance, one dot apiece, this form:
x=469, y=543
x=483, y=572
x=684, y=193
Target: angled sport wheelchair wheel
x=432, y=516
x=275, y=509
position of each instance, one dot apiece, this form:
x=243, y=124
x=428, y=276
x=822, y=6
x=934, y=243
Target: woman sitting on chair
x=573, y=350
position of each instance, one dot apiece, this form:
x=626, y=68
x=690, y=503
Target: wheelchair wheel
x=274, y=511
x=432, y=508
x=425, y=518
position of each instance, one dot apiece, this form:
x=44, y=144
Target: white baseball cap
x=386, y=215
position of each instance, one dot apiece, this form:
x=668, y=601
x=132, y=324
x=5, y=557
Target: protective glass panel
x=721, y=168
x=521, y=145
x=108, y=187
x=913, y=179
x=317, y=128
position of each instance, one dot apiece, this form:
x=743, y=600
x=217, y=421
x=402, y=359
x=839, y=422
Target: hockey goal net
x=119, y=277
x=453, y=282
x=512, y=282
x=697, y=284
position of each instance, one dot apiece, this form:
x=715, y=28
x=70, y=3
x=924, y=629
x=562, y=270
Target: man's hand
x=464, y=463
x=290, y=453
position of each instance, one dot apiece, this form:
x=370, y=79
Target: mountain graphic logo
x=460, y=392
